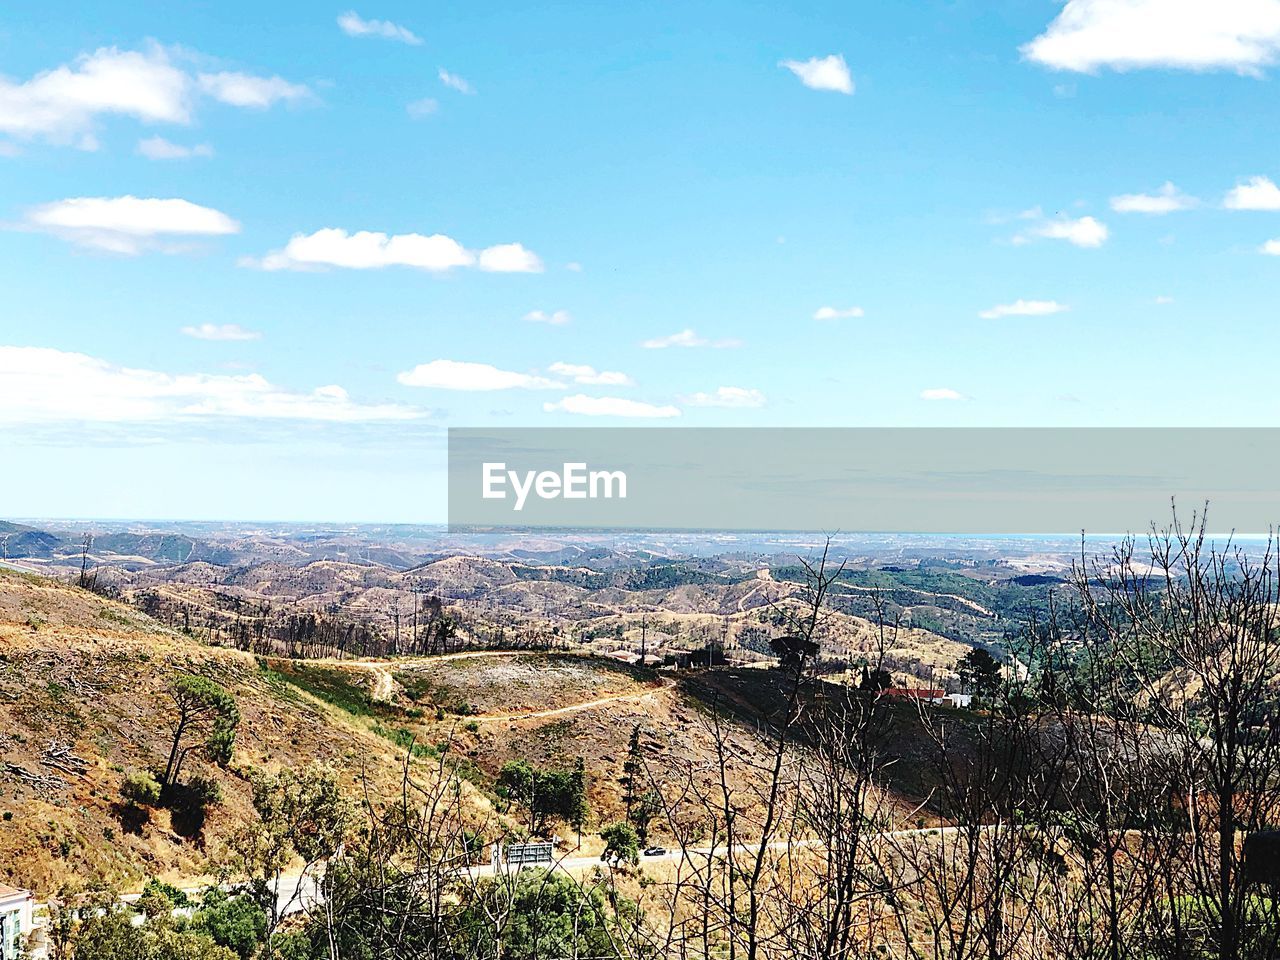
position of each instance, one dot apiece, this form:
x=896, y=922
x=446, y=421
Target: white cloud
x=1084, y=232
x=822, y=73
x=455, y=82
x=1024, y=308
x=1258, y=193
x=509, y=258
x=581, y=373
x=1239, y=35
x=129, y=225
x=1163, y=301
x=556, y=318
x=40, y=385
x=581, y=404
x=941, y=393
x=1271, y=248
x=687, y=338
x=158, y=148
x=736, y=397
x=1168, y=199
x=419, y=109
x=573, y=266
x=366, y=250
x=246, y=90
x=837, y=313
x=221, y=331
x=62, y=104
x=353, y=26
x=462, y=375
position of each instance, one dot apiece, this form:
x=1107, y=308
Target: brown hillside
x=86, y=677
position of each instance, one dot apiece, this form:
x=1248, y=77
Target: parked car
x=655, y=851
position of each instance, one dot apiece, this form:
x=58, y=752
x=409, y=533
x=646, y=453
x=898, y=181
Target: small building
x=20, y=936
x=963, y=700
x=927, y=694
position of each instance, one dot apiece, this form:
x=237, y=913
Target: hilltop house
x=18, y=934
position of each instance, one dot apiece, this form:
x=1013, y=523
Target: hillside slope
x=83, y=702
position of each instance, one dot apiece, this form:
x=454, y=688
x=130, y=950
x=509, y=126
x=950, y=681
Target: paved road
x=298, y=894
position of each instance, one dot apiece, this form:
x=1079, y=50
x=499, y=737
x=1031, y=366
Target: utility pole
x=644, y=639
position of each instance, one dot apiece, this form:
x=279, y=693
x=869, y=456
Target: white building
x=20, y=935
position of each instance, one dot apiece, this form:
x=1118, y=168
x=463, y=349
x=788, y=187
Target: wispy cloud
x=455, y=82
x=421, y=109
x=1085, y=232
x=587, y=406
x=687, y=338
x=221, y=331
x=941, y=393
x=129, y=225
x=368, y=250
x=1271, y=248
x=822, y=73
x=837, y=313
x=1256, y=193
x=584, y=374
x=158, y=148
x=1088, y=35
x=731, y=397
x=556, y=318
x=246, y=90
x=1168, y=199
x=1024, y=308
x=353, y=25
x=42, y=385
x=463, y=375
x=151, y=85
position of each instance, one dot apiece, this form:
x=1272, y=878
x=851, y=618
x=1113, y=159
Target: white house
x=19, y=936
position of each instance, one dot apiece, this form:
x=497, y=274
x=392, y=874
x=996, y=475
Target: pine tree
x=577, y=799
x=631, y=768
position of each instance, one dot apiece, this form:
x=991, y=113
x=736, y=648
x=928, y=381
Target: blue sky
x=974, y=191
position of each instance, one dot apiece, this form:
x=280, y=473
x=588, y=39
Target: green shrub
x=167, y=891
x=205, y=791
x=236, y=923
x=140, y=789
